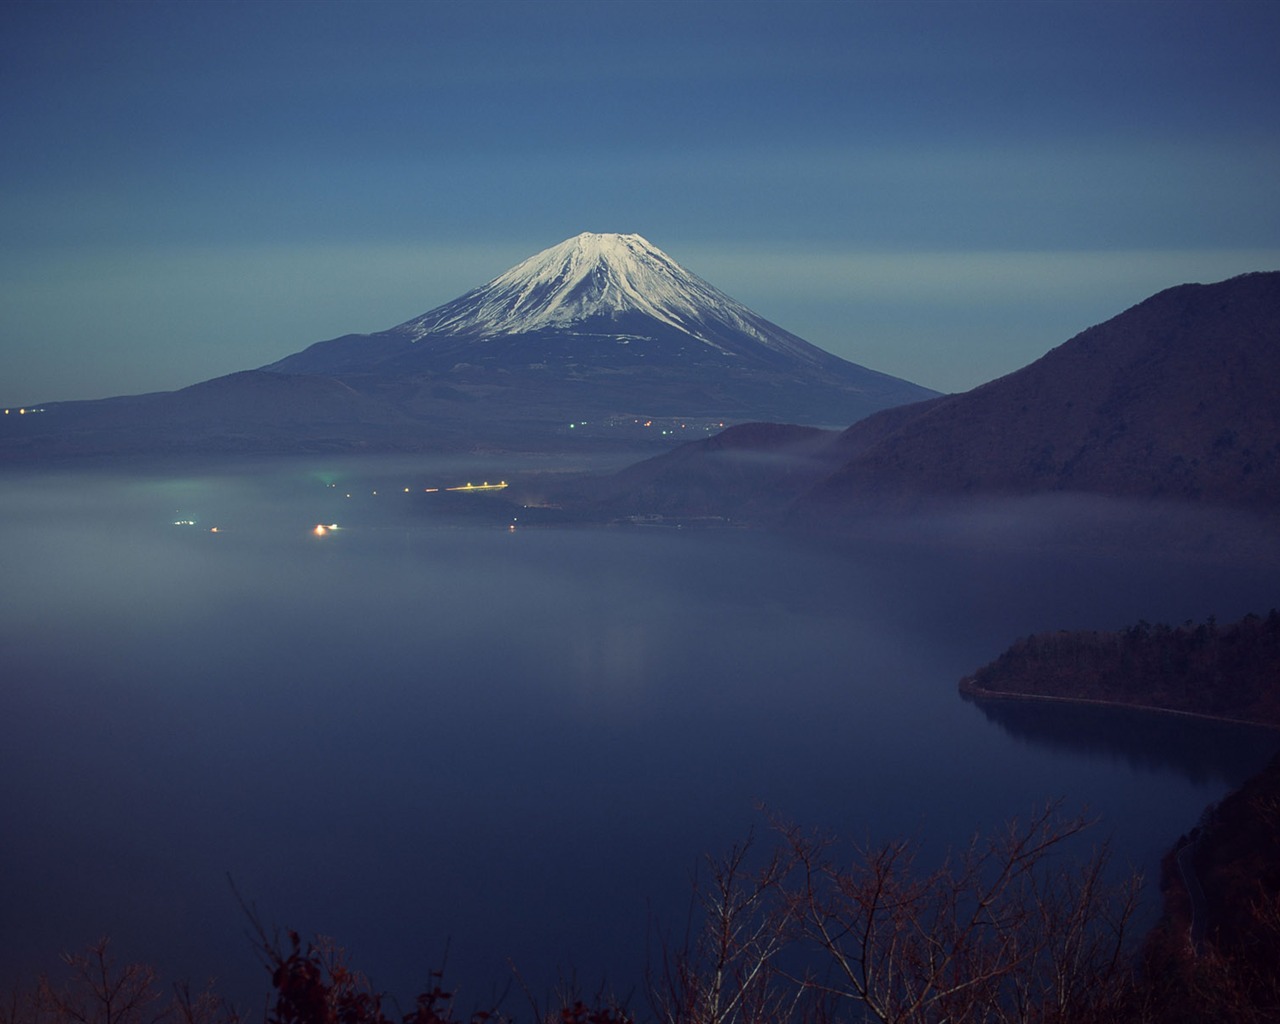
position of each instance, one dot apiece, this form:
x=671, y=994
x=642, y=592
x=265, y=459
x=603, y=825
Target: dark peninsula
x=1229, y=672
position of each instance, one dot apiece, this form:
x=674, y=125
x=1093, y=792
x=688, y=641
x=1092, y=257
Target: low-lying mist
x=428, y=725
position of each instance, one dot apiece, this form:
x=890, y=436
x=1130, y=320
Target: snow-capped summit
x=581, y=277
x=603, y=276
x=603, y=324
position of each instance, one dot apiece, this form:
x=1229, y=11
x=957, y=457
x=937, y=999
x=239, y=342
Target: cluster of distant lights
x=648, y=423
x=319, y=530
x=192, y=522
x=324, y=529
x=23, y=411
x=486, y=486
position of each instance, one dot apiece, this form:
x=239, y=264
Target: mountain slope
x=593, y=278
x=589, y=287
x=617, y=314
x=749, y=472
x=604, y=332
x=1175, y=398
x=248, y=411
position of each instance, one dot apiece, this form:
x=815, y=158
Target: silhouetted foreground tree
x=1011, y=929
x=1008, y=930
x=728, y=971
x=93, y=989
x=314, y=985
x=1016, y=928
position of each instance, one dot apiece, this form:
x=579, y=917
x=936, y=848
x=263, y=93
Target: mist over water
x=425, y=729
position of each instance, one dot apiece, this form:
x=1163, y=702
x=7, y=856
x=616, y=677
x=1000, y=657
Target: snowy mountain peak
x=592, y=274
x=599, y=275
x=604, y=324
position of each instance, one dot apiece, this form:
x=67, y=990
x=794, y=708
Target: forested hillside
x=1228, y=671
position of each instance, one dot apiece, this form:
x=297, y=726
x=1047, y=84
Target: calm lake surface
x=421, y=732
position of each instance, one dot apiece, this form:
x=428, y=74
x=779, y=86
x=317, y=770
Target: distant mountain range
x=603, y=331
x=1177, y=398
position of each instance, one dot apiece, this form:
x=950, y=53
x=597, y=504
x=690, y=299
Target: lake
x=426, y=733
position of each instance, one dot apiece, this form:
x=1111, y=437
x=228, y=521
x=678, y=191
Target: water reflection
x=1202, y=751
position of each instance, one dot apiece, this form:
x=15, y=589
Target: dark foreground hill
x=1217, y=946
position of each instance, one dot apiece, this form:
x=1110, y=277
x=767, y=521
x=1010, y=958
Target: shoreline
x=973, y=691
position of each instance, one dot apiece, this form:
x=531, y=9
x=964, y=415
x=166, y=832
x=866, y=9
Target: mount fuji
x=603, y=334
x=609, y=324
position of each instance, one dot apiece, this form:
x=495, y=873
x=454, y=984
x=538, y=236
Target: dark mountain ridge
x=1176, y=399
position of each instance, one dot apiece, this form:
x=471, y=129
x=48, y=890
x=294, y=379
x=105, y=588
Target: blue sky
x=942, y=191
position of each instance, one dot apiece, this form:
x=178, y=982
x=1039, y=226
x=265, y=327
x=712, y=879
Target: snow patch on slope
x=594, y=275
